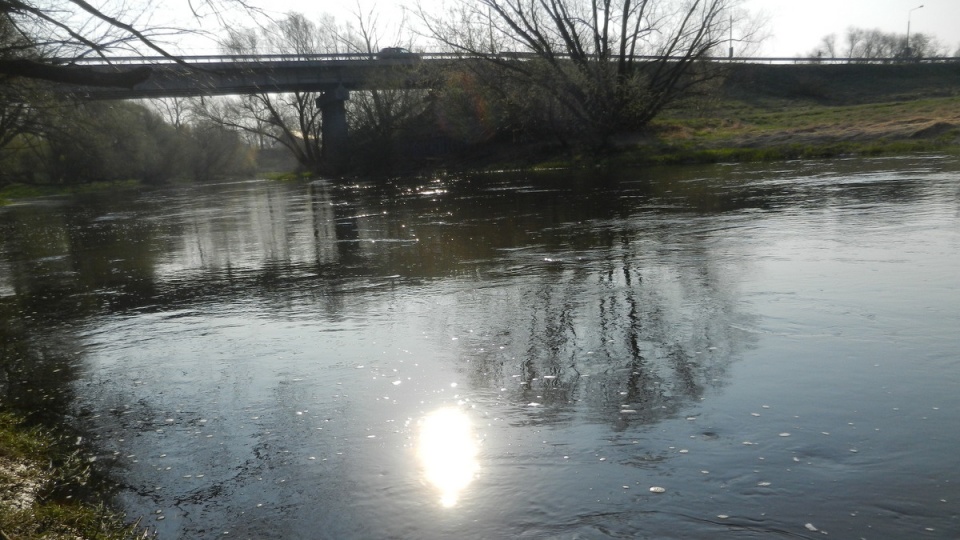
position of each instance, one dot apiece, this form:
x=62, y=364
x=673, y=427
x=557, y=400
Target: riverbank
x=766, y=113
x=740, y=132
x=41, y=481
x=759, y=113
x=13, y=192
x=779, y=112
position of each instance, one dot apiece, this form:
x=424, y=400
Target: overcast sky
x=795, y=27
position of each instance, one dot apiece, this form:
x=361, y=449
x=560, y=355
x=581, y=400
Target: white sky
x=795, y=27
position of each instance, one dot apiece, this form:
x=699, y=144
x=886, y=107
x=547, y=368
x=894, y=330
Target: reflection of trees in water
x=37, y=366
x=62, y=266
x=639, y=323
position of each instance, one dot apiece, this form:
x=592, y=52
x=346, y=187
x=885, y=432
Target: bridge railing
x=242, y=58
x=285, y=58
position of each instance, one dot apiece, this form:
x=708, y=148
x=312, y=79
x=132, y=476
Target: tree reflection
x=37, y=367
x=636, y=322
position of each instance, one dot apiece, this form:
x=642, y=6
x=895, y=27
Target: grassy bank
x=731, y=121
x=734, y=131
x=41, y=476
x=781, y=112
x=774, y=112
x=16, y=191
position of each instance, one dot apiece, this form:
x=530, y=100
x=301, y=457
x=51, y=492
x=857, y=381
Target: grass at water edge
x=36, y=467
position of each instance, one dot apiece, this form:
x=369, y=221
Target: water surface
x=507, y=354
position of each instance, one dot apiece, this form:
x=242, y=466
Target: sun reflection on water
x=448, y=453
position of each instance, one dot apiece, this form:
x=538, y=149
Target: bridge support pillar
x=333, y=124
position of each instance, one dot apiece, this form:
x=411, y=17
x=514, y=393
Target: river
x=729, y=351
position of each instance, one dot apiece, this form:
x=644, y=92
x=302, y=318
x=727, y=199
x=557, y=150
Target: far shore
x=759, y=113
x=776, y=112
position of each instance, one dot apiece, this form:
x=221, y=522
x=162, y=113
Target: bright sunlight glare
x=448, y=453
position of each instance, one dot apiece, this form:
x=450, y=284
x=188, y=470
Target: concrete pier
x=333, y=124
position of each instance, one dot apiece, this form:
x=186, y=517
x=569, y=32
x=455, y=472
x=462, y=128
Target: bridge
x=271, y=73
x=250, y=74
x=332, y=76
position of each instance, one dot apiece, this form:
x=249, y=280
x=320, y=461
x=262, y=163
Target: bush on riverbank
x=40, y=475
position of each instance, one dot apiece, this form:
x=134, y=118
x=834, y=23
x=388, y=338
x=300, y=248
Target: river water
x=732, y=351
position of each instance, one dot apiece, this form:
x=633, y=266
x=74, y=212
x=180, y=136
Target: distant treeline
x=62, y=142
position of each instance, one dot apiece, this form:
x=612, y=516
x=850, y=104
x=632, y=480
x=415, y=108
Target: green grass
x=22, y=191
x=288, y=176
x=93, y=187
x=34, y=461
x=732, y=119
x=681, y=156
x=15, y=191
x=733, y=130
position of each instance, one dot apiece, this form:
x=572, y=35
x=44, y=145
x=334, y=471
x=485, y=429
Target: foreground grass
x=37, y=471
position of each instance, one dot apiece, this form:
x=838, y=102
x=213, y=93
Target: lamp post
x=909, y=13
x=730, y=41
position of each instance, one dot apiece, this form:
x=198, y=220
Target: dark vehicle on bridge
x=397, y=53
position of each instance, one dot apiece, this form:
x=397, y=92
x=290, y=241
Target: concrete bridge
x=251, y=74
x=333, y=76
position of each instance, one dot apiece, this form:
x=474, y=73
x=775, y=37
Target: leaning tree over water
x=78, y=28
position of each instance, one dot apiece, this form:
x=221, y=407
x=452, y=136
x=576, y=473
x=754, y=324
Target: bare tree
x=47, y=30
x=923, y=46
x=70, y=28
x=611, y=65
x=863, y=45
x=827, y=48
x=16, y=114
x=291, y=119
x=176, y=111
x=375, y=116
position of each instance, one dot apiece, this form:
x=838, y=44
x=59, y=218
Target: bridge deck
x=245, y=74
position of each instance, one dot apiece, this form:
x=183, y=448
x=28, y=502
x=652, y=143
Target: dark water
x=776, y=347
